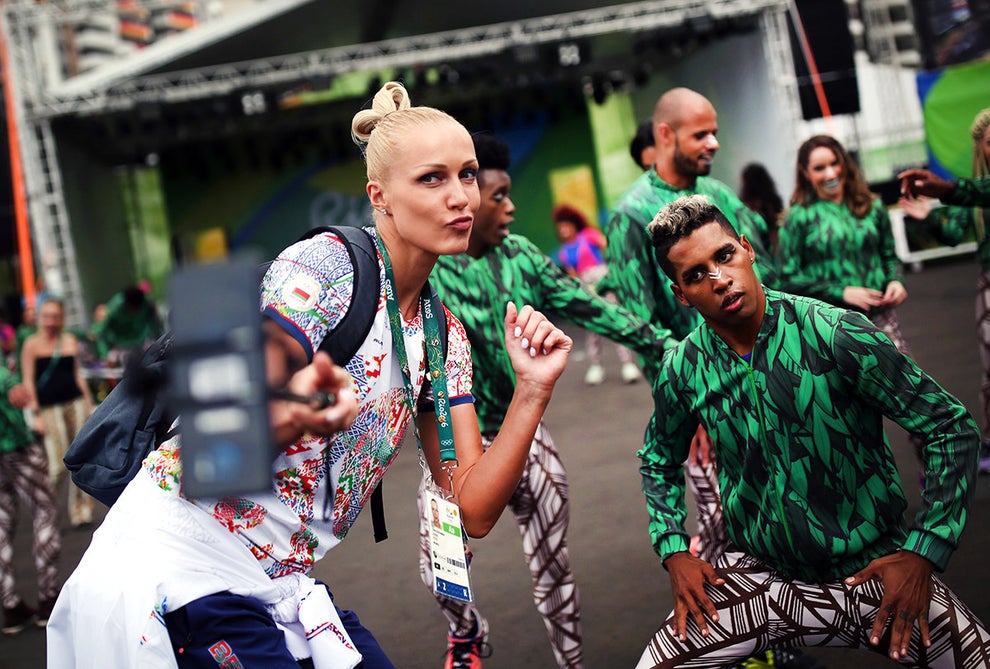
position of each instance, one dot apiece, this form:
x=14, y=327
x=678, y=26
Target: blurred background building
x=152, y=132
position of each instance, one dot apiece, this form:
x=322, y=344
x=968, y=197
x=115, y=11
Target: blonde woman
x=60, y=395
x=189, y=582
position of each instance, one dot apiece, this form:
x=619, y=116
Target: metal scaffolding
x=96, y=94
x=121, y=86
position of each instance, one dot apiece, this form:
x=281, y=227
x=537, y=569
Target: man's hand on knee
x=907, y=594
x=688, y=576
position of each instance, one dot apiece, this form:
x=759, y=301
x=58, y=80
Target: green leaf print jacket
x=822, y=248
x=477, y=290
x=14, y=432
x=950, y=225
x=808, y=481
x=971, y=193
x=634, y=274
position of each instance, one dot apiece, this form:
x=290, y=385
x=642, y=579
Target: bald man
x=685, y=126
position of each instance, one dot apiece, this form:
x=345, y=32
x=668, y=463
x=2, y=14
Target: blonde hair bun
x=390, y=98
x=380, y=131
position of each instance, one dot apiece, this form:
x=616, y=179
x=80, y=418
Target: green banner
x=613, y=124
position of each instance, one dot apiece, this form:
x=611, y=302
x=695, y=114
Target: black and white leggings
x=541, y=506
x=759, y=609
x=24, y=475
x=983, y=330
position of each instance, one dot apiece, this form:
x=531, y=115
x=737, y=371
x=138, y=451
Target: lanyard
x=434, y=358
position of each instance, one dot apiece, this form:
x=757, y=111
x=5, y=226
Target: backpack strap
x=350, y=331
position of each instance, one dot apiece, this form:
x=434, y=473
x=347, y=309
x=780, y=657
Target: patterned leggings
x=62, y=422
x=703, y=482
x=887, y=321
x=24, y=474
x=541, y=506
x=983, y=329
x=759, y=610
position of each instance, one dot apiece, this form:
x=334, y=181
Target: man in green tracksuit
x=475, y=286
x=794, y=392
x=685, y=124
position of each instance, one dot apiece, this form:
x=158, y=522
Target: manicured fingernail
x=525, y=343
x=874, y=640
x=517, y=331
x=532, y=352
x=544, y=350
x=851, y=579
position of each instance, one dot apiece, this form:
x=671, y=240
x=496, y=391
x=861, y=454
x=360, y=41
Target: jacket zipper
x=765, y=444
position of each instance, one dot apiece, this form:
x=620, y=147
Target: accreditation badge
x=447, y=547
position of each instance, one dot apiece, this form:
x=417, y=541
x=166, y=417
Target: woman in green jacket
x=836, y=243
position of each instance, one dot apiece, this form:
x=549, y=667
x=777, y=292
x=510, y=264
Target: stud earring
x=384, y=211
x=752, y=260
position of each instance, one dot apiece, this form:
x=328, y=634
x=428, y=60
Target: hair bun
x=390, y=98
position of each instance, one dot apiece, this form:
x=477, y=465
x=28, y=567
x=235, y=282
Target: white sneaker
x=630, y=372
x=595, y=375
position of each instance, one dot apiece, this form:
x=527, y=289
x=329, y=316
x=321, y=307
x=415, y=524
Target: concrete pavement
x=625, y=593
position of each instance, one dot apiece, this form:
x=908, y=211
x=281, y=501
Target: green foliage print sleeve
x=952, y=225
x=569, y=298
x=907, y=395
x=971, y=193
x=632, y=272
x=668, y=437
x=948, y=224
x=7, y=381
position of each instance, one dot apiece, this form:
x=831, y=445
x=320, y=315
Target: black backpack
x=134, y=419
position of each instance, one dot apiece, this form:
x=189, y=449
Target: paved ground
x=624, y=590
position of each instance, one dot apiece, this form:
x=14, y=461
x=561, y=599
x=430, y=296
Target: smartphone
x=216, y=380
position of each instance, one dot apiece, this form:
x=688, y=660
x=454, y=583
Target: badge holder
x=448, y=547
x=448, y=543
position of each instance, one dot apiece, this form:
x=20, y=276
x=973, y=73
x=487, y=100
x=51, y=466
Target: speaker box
x=826, y=26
